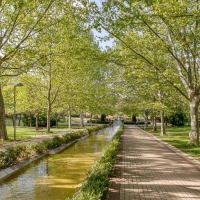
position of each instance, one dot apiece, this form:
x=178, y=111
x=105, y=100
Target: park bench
x=39, y=129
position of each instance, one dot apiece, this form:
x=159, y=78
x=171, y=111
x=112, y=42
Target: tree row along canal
x=57, y=176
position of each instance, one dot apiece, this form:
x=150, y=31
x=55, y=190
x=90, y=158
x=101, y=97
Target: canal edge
x=5, y=173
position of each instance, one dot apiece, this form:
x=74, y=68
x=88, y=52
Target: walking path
x=30, y=141
x=38, y=138
x=147, y=168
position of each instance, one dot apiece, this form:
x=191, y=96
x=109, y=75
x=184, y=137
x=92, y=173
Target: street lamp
x=14, y=120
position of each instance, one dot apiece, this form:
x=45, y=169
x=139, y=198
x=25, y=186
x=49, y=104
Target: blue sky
x=102, y=44
x=98, y=2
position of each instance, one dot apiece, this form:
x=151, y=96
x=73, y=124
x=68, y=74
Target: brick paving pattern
x=147, y=169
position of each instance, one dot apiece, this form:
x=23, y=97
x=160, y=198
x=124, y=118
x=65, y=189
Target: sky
x=102, y=44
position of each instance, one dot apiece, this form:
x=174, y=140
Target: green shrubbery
x=42, y=120
x=12, y=154
x=96, y=184
x=16, y=153
x=134, y=119
x=177, y=119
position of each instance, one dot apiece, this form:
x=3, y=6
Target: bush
x=103, y=122
x=177, y=119
x=20, y=151
x=56, y=141
x=12, y=154
x=103, y=118
x=42, y=120
x=66, y=138
x=96, y=184
x=39, y=147
x=47, y=143
x=134, y=119
x=92, y=121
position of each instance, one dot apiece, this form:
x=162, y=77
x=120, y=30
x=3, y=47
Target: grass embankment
x=24, y=133
x=96, y=184
x=178, y=137
x=16, y=153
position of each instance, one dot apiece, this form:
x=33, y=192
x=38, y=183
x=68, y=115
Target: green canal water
x=57, y=177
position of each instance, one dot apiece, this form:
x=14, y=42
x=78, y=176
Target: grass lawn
x=23, y=133
x=178, y=137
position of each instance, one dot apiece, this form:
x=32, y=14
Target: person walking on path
x=147, y=168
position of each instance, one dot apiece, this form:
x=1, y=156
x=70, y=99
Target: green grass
x=16, y=153
x=96, y=184
x=23, y=133
x=178, y=137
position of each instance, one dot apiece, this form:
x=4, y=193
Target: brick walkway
x=147, y=168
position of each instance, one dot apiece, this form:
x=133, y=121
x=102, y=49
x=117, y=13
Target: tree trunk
x=30, y=120
x=3, y=131
x=49, y=106
x=69, y=117
x=163, y=131
x=56, y=120
x=145, y=118
x=12, y=118
x=63, y=117
x=91, y=118
x=57, y=117
x=194, y=133
x=48, y=116
x=36, y=120
x=81, y=120
x=19, y=121
x=154, y=122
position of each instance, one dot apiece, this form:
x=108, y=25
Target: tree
x=31, y=101
x=174, y=26
x=20, y=22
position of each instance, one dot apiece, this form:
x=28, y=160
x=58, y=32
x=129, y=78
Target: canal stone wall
x=5, y=173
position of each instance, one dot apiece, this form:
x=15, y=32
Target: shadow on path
x=147, y=169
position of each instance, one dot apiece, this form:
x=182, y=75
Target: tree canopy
x=49, y=46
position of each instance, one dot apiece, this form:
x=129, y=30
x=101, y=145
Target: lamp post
x=14, y=120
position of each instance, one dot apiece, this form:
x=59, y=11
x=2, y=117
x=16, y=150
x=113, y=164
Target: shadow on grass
x=178, y=137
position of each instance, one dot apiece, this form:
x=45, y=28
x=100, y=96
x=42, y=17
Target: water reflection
x=58, y=176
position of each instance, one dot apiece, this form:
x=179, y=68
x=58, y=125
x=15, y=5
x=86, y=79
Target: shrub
x=39, y=147
x=12, y=154
x=56, y=141
x=103, y=118
x=96, y=184
x=42, y=120
x=177, y=119
x=133, y=119
x=96, y=128
x=47, y=143
x=66, y=138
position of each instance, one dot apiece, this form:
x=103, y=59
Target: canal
x=57, y=177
